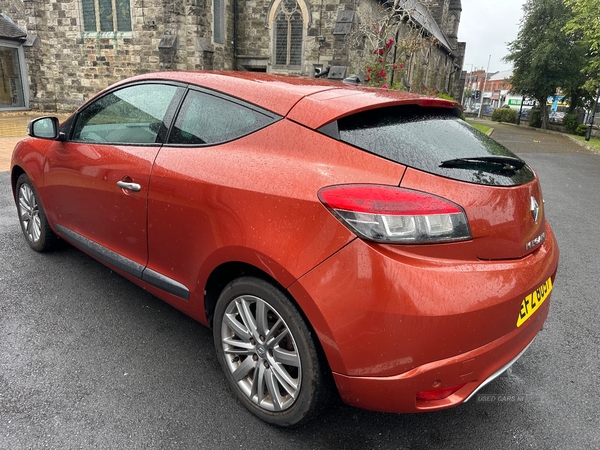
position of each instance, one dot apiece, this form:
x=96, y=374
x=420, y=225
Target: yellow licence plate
x=533, y=301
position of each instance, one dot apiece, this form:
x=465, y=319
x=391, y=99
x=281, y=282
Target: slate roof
x=10, y=30
x=421, y=15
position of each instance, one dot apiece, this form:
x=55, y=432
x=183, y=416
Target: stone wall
x=254, y=44
x=13, y=9
x=67, y=65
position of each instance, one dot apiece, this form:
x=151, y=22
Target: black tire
x=32, y=217
x=268, y=353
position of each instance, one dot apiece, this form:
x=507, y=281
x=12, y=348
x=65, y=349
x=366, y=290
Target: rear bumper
x=474, y=369
x=498, y=372
x=393, y=324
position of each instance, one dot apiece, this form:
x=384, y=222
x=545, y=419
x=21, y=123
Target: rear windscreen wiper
x=493, y=163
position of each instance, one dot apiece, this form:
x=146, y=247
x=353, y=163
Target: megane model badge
x=535, y=209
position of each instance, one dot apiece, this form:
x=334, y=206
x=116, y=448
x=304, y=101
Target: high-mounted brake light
x=437, y=103
x=396, y=215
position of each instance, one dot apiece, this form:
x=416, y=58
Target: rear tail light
x=438, y=394
x=396, y=215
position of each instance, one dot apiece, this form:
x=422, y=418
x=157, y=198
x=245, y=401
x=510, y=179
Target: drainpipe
x=235, y=33
x=394, y=57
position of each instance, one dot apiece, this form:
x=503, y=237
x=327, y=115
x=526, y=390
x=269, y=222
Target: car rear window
x=424, y=138
x=206, y=119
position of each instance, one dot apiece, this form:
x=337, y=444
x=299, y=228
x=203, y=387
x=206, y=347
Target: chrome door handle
x=129, y=186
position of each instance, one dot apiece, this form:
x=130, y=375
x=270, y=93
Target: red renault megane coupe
x=334, y=237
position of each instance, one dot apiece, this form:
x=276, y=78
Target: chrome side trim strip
x=498, y=372
x=101, y=252
x=127, y=265
x=165, y=283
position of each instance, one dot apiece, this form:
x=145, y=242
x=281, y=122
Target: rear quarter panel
x=252, y=200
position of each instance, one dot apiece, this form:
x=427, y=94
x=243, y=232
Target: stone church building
x=55, y=54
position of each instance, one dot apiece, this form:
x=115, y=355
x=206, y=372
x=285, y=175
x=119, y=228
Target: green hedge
x=535, y=118
x=570, y=123
x=581, y=129
x=505, y=115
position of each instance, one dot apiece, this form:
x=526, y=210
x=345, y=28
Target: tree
x=576, y=84
x=391, y=36
x=586, y=21
x=544, y=57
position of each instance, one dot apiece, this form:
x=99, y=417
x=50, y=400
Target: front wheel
x=32, y=217
x=268, y=353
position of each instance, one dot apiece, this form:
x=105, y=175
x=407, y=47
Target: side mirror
x=44, y=128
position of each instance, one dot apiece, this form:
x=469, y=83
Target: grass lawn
x=481, y=128
x=593, y=142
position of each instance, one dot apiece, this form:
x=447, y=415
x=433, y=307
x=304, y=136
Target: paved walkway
x=13, y=128
x=524, y=139
x=6, y=146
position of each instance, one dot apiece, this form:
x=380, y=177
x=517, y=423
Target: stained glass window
x=106, y=15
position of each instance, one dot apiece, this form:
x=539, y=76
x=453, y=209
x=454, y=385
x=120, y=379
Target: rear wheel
x=32, y=217
x=268, y=353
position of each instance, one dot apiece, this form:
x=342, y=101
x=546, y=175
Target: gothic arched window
x=287, y=35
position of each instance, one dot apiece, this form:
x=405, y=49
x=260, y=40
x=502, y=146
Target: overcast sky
x=487, y=26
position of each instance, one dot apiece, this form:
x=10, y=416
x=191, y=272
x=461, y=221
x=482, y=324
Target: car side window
x=131, y=115
x=207, y=119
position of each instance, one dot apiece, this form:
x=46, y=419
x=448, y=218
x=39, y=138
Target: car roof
x=309, y=101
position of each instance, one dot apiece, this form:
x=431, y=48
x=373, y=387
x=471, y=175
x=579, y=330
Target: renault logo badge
x=535, y=209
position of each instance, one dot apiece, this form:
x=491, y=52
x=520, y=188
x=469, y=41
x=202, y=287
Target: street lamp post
x=484, y=83
x=520, y=111
x=588, y=132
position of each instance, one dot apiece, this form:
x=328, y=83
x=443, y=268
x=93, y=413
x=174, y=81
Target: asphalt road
x=88, y=360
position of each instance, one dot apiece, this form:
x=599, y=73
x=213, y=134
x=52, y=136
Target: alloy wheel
x=261, y=353
x=29, y=213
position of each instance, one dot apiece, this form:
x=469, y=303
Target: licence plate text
x=533, y=301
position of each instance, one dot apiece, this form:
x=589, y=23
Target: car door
x=189, y=214
x=98, y=178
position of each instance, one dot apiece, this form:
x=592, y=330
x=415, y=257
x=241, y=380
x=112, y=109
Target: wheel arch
x=16, y=172
x=35, y=178
x=225, y=273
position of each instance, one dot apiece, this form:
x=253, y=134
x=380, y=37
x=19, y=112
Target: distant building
x=490, y=91
x=474, y=86
x=497, y=87
x=57, y=53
